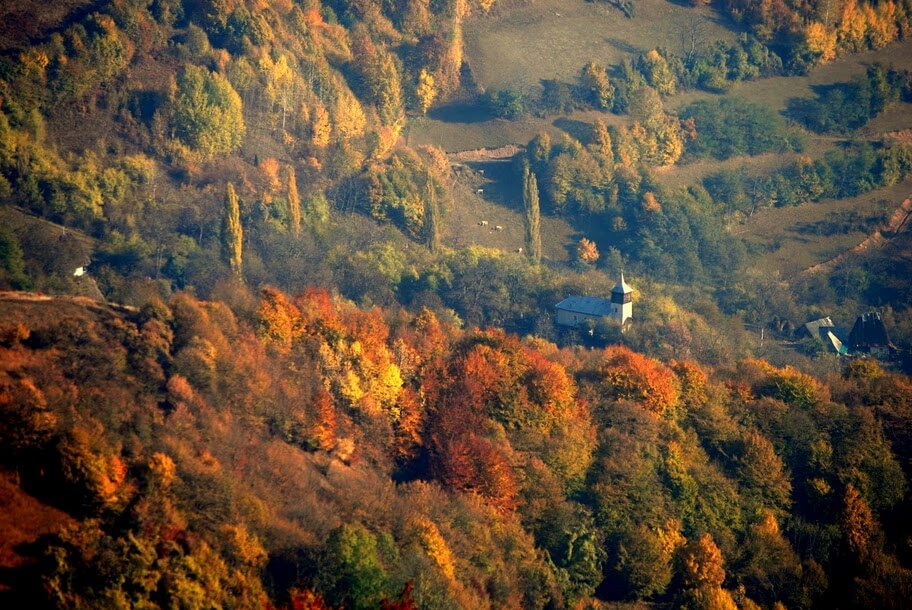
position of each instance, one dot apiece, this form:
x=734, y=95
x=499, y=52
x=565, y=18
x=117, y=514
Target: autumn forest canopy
x=277, y=289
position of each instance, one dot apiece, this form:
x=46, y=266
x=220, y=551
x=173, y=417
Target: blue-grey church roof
x=592, y=306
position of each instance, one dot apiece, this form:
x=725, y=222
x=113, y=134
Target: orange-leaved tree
x=628, y=375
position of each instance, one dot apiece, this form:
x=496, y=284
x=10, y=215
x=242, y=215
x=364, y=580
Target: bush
x=505, y=104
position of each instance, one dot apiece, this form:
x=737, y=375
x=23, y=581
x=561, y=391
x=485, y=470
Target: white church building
x=576, y=310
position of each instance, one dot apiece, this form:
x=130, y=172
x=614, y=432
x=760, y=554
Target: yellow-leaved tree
x=820, y=41
x=425, y=91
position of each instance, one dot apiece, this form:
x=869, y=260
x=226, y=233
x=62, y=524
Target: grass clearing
x=520, y=46
x=789, y=250
x=458, y=137
x=499, y=205
x=530, y=42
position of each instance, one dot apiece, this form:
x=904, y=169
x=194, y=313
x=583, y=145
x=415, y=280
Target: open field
x=494, y=133
x=549, y=39
x=553, y=39
x=499, y=205
x=791, y=245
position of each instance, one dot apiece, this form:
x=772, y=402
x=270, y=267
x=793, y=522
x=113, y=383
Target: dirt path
x=486, y=154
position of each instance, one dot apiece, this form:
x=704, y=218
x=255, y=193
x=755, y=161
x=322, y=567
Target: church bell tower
x=621, y=302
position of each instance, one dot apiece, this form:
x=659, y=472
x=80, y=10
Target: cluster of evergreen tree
x=615, y=88
x=730, y=127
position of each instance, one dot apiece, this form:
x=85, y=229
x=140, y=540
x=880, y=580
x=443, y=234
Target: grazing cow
x=519, y=250
x=479, y=191
x=498, y=228
x=483, y=223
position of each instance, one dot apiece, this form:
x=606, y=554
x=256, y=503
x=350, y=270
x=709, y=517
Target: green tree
x=532, y=215
x=384, y=87
x=658, y=73
x=12, y=265
x=206, y=112
x=431, y=214
x=352, y=574
x=595, y=87
x=232, y=232
x=505, y=103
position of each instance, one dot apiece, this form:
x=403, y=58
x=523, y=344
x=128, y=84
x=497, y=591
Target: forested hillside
x=267, y=341
x=304, y=453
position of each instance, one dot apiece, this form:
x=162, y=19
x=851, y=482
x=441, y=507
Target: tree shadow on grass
x=579, y=130
x=623, y=45
x=461, y=112
x=502, y=185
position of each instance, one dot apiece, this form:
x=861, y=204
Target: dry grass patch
x=555, y=38
x=458, y=137
x=790, y=250
x=500, y=204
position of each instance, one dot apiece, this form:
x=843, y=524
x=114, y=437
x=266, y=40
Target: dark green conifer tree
x=532, y=216
x=431, y=214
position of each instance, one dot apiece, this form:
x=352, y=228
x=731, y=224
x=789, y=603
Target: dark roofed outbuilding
x=869, y=333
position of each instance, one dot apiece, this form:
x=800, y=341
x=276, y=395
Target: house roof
x=825, y=331
x=592, y=306
x=869, y=331
x=838, y=345
x=814, y=327
x=622, y=287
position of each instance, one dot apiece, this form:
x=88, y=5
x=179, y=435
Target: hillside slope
x=185, y=454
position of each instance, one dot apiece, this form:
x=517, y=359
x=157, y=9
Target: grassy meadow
x=793, y=239
x=553, y=39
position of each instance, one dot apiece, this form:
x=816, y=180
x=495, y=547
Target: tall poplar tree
x=431, y=214
x=294, y=201
x=232, y=233
x=532, y=214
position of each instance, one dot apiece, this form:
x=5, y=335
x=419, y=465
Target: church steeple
x=621, y=301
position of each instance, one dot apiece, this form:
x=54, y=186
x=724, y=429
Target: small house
x=824, y=331
x=869, y=335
